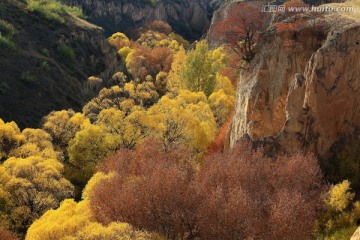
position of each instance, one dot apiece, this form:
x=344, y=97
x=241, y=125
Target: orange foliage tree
x=149, y=189
x=236, y=195
x=246, y=195
x=219, y=143
x=240, y=29
x=149, y=61
x=7, y=235
x=292, y=14
x=158, y=26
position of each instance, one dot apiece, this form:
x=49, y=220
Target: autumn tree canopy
x=246, y=195
x=236, y=195
x=240, y=29
x=31, y=180
x=198, y=73
x=72, y=221
x=148, y=188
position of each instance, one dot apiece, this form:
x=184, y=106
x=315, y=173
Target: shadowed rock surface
x=189, y=18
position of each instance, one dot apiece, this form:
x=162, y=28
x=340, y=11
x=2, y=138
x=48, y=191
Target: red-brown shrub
x=248, y=196
x=218, y=145
x=151, y=190
x=236, y=195
x=150, y=61
x=7, y=235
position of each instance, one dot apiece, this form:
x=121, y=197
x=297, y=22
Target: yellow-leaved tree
x=89, y=147
x=338, y=221
x=63, y=125
x=31, y=180
x=174, y=80
x=73, y=221
x=126, y=131
x=185, y=119
x=10, y=138
x=127, y=98
x=222, y=105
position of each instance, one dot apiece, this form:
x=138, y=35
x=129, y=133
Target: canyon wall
x=301, y=92
x=189, y=18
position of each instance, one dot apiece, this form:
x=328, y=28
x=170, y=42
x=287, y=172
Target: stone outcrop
x=356, y=235
x=301, y=92
x=190, y=18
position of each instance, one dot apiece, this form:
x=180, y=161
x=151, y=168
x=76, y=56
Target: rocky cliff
x=190, y=18
x=222, y=7
x=301, y=92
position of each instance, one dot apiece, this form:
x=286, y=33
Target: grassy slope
x=47, y=70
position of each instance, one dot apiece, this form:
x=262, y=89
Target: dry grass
x=82, y=23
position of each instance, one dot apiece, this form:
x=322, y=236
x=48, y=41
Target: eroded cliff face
x=222, y=7
x=301, y=92
x=190, y=18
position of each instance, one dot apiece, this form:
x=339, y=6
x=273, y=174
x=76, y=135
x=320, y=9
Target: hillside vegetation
x=46, y=51
x=129, y=137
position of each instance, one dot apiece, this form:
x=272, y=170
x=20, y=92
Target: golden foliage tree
x=174, y=80
x=89, y=147
x=339, y=219
x=31, y=180
x=63, y=125
x=221, y=105
x=127, y=99
x=126, y=131
x=73, y=221
x=10, y=138
x=185, y=119
x=148, y=188
x=31, y=186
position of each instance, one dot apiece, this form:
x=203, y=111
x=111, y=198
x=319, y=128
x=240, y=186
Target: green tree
x=198, y=73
